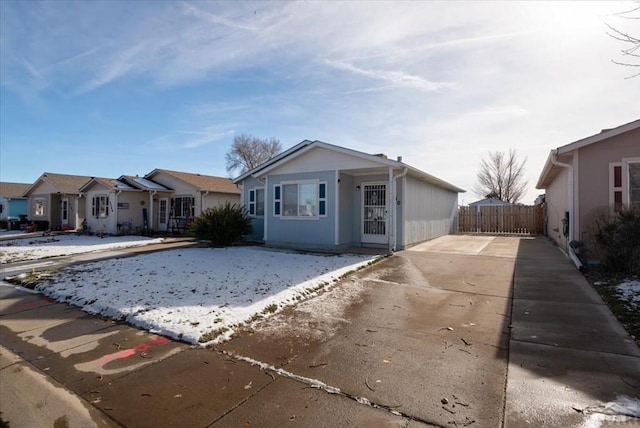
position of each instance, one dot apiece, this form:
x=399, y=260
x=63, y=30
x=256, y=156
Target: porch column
x=150, y=219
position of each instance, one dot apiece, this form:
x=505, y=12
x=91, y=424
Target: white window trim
x=35, y=207
x=254, y=190
x=612, y=181
x=326, y=190
x=299, y=182
x=626, y=180
x=101, y=206
x=191, y=208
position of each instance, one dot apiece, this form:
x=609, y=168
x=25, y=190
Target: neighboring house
x=13, y=203
x=588, y=178
x=320, y=196
x=489, y=202
x=121, y=206
x=192, y=194
x=57, y=199
x=152, y=210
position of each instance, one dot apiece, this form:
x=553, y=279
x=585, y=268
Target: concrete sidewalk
x=460, y=331
x=567, y=352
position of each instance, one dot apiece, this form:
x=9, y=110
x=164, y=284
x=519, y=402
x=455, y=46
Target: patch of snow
x=198, y=295
x=630, y=291
x=41, y=247
x=623, y=409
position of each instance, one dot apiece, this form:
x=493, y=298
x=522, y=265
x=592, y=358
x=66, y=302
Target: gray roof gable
x=306, y=145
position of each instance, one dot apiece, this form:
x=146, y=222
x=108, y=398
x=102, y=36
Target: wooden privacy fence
x=502, y=219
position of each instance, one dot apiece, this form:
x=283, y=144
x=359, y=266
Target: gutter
x=569, y=248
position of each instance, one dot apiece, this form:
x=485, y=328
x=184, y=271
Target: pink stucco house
x=588, y=178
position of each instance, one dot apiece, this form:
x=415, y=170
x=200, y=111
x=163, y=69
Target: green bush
x=222, y=225
x=617, y=241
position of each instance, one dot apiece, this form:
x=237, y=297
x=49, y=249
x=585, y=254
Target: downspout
x=202, y=196
x=395, y=207
x=569, y=248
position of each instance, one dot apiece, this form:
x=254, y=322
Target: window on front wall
x=624, y=183
x=38, y=209
x=634, y=183
x=305, y=199
x=256, y=201
x=183, y=207
x=100, y=206
x=615, y=186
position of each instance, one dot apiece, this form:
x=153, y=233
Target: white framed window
x=256, y=202
x=322, y=199
x=305, y=199
x=38, y=207
x=123, y=205
x=624, y=183
x=277, y=200
x=183, y=207
x=633, y=171
x=615, y=186
x=100, y=206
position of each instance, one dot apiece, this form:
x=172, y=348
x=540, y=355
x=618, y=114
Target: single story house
x=191, y=195
x=118, y=207
x=57, y=200
x=151, y=212
x=13, y=203
x=589, y=178
x=321, y=196
x=492, y=202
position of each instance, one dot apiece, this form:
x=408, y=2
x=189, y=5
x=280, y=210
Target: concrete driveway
x=459, y=331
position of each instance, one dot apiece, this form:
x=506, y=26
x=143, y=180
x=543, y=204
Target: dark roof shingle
x=202, y=182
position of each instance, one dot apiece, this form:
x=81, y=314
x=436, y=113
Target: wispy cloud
x=398, y=78
x=210, y=135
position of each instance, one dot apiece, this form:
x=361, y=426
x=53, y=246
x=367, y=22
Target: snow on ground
x=630, y=292
x=198, y=295
x=41, y=247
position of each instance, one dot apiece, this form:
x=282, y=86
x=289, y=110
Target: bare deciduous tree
x=631, y=53
x=248, y=152
x=501, y=176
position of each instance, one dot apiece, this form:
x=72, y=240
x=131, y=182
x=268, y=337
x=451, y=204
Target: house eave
x=307, y=145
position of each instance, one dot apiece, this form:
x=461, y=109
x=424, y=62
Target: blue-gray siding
x=430, y=211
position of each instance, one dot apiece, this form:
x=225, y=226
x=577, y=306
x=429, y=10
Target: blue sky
x=111, y=88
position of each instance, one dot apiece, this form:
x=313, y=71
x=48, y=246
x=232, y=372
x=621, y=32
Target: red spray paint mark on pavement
x=34, y=304
x=142, y=347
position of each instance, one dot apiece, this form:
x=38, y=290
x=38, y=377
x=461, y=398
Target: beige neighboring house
x=191, y=195
x=57, y=199
x=588, y=178
x=120, y=206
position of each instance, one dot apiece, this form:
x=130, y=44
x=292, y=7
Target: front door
x=64, y=211
x=163, y=214
x=374, y=213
